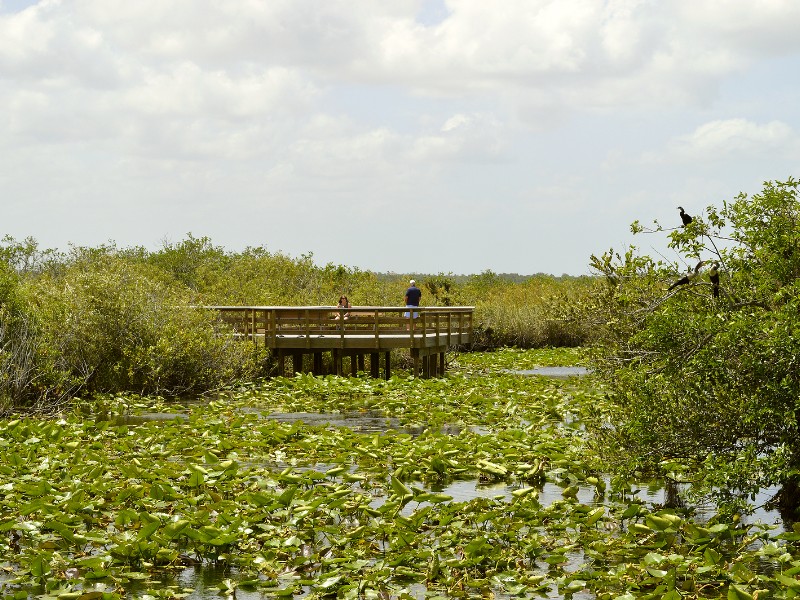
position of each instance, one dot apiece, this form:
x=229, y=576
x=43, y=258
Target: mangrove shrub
x=702, y=353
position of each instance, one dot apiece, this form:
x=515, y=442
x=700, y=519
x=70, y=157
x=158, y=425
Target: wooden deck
x=297, y=331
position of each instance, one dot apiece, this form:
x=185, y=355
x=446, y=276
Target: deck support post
x=374, y=365
x=337, y=361
x=297, y=362
x=387, y=364
x=281, y=363
x=318, y=363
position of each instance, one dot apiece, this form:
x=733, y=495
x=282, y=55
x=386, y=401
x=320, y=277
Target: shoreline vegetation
x=110, y=319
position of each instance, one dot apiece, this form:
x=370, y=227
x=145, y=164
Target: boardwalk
x=301, y=331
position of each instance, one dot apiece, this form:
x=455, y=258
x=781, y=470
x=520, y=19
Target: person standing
x=412, y=298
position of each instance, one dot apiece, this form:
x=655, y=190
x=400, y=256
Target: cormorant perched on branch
x=713, y=275
x=688, y=277
x=685, y=217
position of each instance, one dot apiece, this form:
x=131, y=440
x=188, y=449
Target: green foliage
x=116, y=319
x=119, y=325
x=709, y=381
x=468, y=486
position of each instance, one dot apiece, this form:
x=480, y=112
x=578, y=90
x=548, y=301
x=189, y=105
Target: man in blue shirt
x=413, y=295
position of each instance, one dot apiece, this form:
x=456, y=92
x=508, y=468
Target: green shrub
x=117, y=325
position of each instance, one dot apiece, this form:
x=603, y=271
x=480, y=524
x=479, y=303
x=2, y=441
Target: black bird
x=691, y=275
x=685, y=217
x=713, y=275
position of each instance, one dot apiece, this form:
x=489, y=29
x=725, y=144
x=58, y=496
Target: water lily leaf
x=329, y=582
x=400, y=489
x=595, y=515
x=136, y=575
x=63, y=530
x=571, y=491
x=196, y=478
x=15, y=460
x=789, y=582
x=287, y=495
x=433, y=498
x=737, y=593
x=711, y=556
x=658, y=523
x=40, y=566
x=492, y=468
x=175, y=528
x=639, y=528
x=524, y=491
x=335, y=471
x=632, y=511
x=653, y=559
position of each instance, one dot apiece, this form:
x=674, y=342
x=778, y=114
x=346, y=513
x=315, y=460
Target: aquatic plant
x=112, y=497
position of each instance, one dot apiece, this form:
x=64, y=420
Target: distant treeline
x=111, y=319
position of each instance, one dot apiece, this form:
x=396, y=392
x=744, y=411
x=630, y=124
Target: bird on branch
x=713, y=276
x=685, y=217
x=688, y=278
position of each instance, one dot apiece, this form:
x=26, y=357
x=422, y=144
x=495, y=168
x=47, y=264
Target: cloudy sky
x=443, y=136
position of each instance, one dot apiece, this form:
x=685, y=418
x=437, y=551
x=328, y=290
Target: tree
x=702, y=386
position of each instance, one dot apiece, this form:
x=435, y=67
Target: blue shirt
x=413, y=294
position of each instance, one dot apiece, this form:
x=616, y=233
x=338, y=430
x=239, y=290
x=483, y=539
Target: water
x=206, y=582
x=554, y=372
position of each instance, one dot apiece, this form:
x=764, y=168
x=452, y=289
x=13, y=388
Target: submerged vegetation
x=115, y=494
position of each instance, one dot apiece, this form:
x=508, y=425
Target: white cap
x=412, y=282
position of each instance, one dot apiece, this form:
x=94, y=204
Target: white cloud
x=274, y=107
x=465, y=137
x=722, y=139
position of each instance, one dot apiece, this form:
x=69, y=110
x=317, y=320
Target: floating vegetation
x=120, y=496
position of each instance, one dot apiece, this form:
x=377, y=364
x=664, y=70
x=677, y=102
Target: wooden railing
x=366, y=326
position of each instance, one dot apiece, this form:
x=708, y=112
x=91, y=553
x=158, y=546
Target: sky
x=405, y=136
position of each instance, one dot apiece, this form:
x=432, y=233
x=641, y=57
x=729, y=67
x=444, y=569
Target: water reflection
x=367, y=422
x=555, y=372
x=156, y=417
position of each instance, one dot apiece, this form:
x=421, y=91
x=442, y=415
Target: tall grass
x=542, y=311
